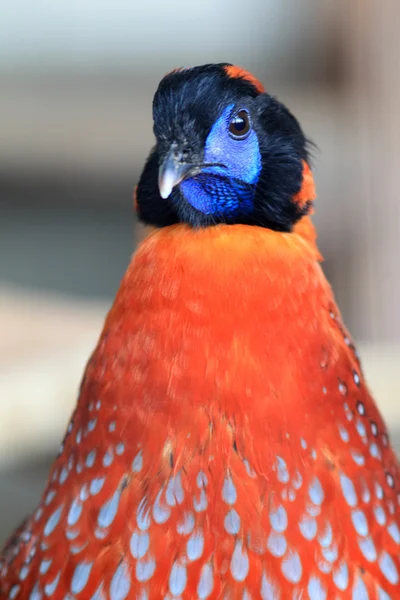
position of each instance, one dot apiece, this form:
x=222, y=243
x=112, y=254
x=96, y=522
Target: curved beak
x=171, y=172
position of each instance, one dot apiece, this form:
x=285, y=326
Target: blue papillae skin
x=225, y=191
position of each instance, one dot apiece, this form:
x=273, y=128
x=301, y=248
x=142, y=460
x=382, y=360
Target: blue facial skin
x=225, y=191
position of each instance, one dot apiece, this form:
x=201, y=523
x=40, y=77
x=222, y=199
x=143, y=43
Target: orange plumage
x=224, y=445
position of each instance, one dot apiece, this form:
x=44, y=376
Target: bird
x=225, y=443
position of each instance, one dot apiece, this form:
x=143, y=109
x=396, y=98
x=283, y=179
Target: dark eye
x=239, y=126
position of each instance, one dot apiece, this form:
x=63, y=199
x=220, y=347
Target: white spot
x=357, y=457
x=316, y=591
x=109, y=510
x=316, y=492
x=326, y=537
x=282, y=471
x=91, y=425
x=360, y=408
x=278, y=519
x=388, y=568
x=389, y=480
x=344, y=434
x=229, y=494
x=324, y=566
x=177, y=579
x=360, y=522
x=80, y=577
x=356, y=378
x=72, y=534
x=36, y=594
x=78, y=437
x=232, y=522
x=91, y=457
x=120, y=448
x=348, y=490
x=374, y=451
x=202, y=503
x=394, y=532
x=201, y=479
x=330, y=554
x=112, y=426
x=24, y=572
x=374, y=428
x=38, y=514
x=174, y=493
x=120, y=583
x=385, y=440
x=378, y=491
x=303, y=443
x=50, y=588
x=367, y=548
x=380, y=515
x=14, y=592
x=63, y=476
x=276, y=544
x=324, y=390
x=359, y=590
x=53, y=521
x=137, y=463
x=348, y=413
x=100, y=534
x=269, y=589
x=98, y=404
x=108, y=458
x=312, y=509
x=249, y=470
x=206, y=582
x=297, y=480
x=77, y=549
x=382, y=595
x=365, y=493
x=187, y=524
x=143, y=515
x=96, y=485
x=140, y=542
x=308, y=527
x=362, y=432
x=291, y=567
x=161, y=513
x=341, y=576
x=195, y=545
x=239, y=562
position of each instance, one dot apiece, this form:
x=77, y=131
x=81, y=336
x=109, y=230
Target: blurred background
x=76, y=85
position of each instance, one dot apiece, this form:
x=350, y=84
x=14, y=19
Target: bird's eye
x=239, y=126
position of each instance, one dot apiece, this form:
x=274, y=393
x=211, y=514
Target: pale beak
x=171, y=172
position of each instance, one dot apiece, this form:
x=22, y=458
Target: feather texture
x=224, y=445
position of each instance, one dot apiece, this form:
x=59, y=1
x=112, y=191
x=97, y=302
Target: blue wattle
x=214, y=195
x=225, y=191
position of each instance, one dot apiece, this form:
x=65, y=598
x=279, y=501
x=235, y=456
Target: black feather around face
x=186, y=105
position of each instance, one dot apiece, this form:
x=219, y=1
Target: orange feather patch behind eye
x=307, y=191
x=135, y=200
x=239, y=73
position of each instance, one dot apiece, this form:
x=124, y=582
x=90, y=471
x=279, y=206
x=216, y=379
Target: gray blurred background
x=76, y=84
